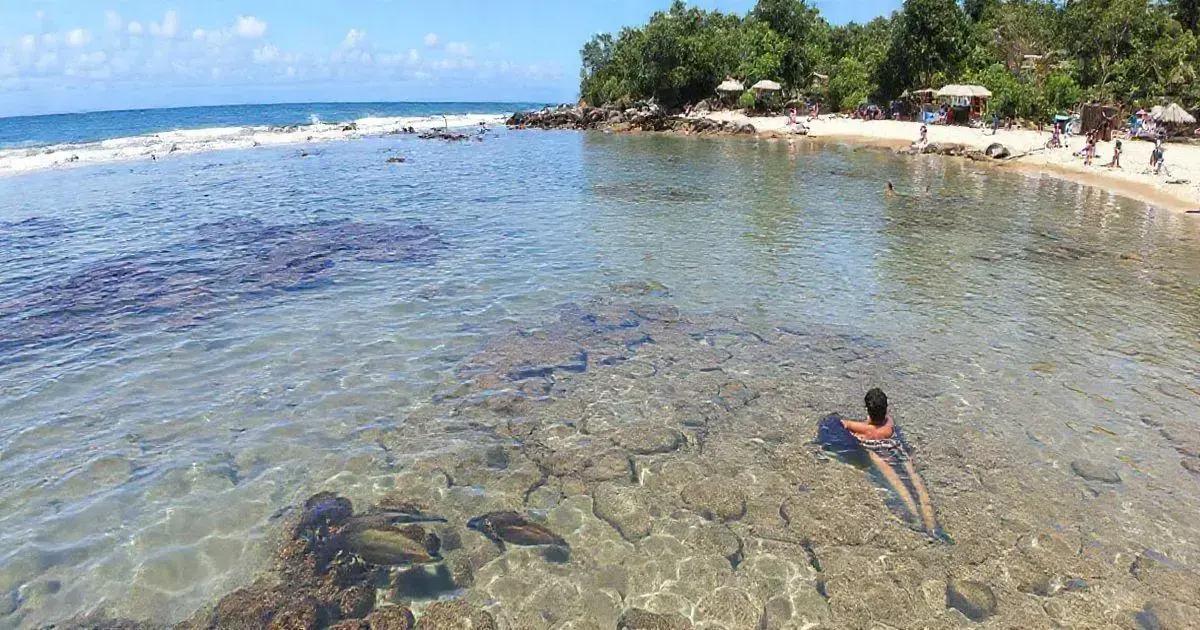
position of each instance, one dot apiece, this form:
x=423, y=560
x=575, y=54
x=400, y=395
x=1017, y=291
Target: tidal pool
x=628, y=339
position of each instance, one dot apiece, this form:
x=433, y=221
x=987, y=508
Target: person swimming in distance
x=890, y=190
x=884, y=447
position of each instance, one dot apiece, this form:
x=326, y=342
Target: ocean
x=628, y=339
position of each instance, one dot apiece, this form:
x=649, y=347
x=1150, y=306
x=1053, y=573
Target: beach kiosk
x=966, y=101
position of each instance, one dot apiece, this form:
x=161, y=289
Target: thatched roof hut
x=731, y=85
x=1173, y=114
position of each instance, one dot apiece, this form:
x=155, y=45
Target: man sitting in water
x=879, y=424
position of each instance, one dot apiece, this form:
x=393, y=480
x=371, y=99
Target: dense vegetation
x=1038, y=57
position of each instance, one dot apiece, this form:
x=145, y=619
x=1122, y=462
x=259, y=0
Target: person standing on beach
x=1116, y=159
x=924, y=139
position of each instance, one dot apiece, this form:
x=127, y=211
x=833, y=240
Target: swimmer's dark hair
x=877, y=406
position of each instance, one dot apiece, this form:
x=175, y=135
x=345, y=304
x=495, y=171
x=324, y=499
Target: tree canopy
x=1037, y=56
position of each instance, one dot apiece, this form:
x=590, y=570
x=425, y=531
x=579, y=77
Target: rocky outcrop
x=642, y=117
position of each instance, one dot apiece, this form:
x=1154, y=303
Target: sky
x=85, y=55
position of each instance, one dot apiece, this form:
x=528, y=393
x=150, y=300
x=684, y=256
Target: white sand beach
x=1177, y=187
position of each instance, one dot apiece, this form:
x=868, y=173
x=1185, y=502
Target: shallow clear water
x=191, y=345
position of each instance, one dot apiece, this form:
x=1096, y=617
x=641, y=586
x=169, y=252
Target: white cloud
x=354, y=37
x=168, y=28
x=134, y=28
x=266, y=53
x=199, y=34
x=431, y=39
x=460, y=49
x=79, y=37
x=249, y=27
x=112, y=20
x=28, y=43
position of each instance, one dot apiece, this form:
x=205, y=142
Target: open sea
x=193, y=341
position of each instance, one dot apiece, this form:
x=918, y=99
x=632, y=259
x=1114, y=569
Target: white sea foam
x=186, y=141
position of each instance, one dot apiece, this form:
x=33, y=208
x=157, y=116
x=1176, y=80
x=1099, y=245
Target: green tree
x=850, y=84
x=929, y=39
x=1187, y=13
x=977, y=10
x=802, y=27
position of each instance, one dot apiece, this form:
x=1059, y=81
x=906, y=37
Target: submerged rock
x=973, y=599
x=391, y=618
x=640, y=619
x=1095, y=472
x=624, y=509
x=455, y=614
x=325, y=509
x=715, y=499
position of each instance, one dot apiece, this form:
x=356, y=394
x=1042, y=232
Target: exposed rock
x=1095, y=472
x=973, y=599
x=395, y=160
x=997, y=151
x=455, y=614
x=639, y=619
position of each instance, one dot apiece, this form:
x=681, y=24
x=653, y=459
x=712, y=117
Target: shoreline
x=1133, y=181
x=150, y=147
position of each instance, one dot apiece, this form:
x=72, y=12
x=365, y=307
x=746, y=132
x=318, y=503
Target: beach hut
x=730, y=85
x=763, y=93
x=968, y=101
x=1173, y=114
x=727, y=90
x=1173, y=117
x=765, y=86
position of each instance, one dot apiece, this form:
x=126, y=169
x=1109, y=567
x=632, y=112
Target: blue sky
x=80, y=55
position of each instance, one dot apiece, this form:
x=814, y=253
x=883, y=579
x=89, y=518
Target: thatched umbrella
x=731, y=85
x=1173, y=114
x=766, y=86
x=964, y=91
